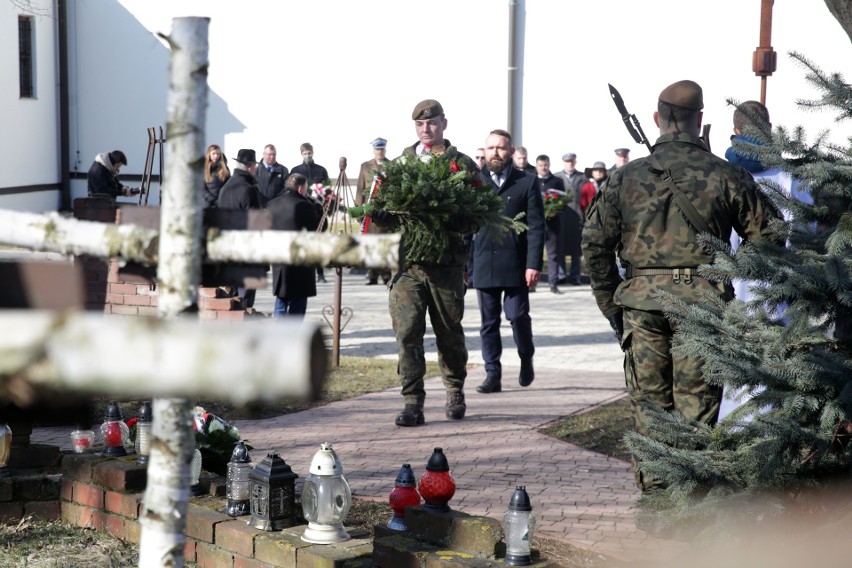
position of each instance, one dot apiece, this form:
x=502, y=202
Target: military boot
x=455, y=405
x=411, y=415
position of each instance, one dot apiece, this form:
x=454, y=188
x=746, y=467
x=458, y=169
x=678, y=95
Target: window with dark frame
x=25, y=56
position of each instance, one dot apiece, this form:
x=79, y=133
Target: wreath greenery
x=432, y=198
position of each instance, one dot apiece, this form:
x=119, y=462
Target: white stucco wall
x=29, y=145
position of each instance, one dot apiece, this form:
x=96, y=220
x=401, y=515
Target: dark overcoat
x=293, y=212
x=239, y=192
x=502, y=262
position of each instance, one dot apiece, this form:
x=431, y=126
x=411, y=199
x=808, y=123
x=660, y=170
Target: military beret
x=427, y=109
x=379, y=143
x=569, y=156
x=622, y=151
x=686, y=94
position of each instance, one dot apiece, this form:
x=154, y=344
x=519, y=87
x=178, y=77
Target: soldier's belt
x=675, y=273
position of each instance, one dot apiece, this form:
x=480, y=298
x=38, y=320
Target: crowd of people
x=630, y=227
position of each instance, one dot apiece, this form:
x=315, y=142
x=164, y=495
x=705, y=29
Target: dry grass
x=600, y=429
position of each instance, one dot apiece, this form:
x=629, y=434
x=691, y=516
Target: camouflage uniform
x=436, y=289
x=635, y=217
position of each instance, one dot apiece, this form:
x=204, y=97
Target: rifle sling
x=681, y=201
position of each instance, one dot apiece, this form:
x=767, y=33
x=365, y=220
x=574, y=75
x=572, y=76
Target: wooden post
x=764, y=60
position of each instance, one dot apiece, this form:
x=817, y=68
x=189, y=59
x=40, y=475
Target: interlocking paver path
x=578, y=496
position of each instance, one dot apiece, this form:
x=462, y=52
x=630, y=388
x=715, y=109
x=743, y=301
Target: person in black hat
x=596, y=176
x=362, y=195
x=622, y=156
x=240, y=192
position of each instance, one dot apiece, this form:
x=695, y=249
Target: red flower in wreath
x=454, y=167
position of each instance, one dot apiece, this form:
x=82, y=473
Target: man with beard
x=506, y=267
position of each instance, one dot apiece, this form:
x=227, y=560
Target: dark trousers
x=516, y=305
x=552, y=247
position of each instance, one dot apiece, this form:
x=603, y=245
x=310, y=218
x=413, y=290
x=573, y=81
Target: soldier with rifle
x=649, y=214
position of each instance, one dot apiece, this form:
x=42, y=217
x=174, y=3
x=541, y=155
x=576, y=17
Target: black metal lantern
x=273, y=494
x=237, y=487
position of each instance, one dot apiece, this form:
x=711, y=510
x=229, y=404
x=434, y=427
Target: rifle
x=681, y=201
x=639, y=136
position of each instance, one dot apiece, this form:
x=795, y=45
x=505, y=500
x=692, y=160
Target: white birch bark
x=179, y=357
x=53, y=233
x=166, y=498
x=303, y=248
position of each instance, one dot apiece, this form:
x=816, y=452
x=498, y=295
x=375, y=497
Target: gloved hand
x=131, y=191
x=616, y=321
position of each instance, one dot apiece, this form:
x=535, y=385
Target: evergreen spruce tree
x=790, y=348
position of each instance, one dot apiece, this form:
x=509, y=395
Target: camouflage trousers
x=657, y=378
x=438, y=291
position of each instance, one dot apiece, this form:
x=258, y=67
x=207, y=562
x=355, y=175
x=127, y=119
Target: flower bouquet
x=323, y=193
x=554, y=202
x=215, y=439
x=433, y=199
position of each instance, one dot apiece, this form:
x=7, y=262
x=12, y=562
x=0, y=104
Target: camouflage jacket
x=634, y=216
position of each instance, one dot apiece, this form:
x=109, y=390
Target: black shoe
x=573, y=281
x=489, y=385
x=372, y=282
x=455, y=405
x=527, y=375
x=532, y=290
x=411, y=415
x=555, y=289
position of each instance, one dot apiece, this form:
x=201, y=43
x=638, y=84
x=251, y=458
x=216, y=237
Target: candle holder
x=82, y=440
x=437, y=486
x=519, y=524
x=326, y=498
x=272, y=494
x=143, y=433
x=237, y=484
x=114, y=432
x=404, y=495
x=195, y=472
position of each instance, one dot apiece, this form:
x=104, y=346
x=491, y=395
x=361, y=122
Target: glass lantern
x=195, y=472
x=237, y=485
x=82, y=440
x=5, y=449
x=519, y=524
x=404, y=495
x=272, y=494
x=326, y=498
x=114, y=432
x=143, y=434
x=437, y=486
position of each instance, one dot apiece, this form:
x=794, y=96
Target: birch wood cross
x=170, y=356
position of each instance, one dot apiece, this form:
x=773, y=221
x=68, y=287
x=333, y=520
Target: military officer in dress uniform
x=362, y=195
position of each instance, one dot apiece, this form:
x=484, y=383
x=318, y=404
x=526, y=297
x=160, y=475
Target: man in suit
x=505, y=267
x=362, y=195
x=572, y=222
x=270, y=175
x=293, y=211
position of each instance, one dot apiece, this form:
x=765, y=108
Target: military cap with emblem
x=430, y=108
x=685, y=94
x=621, y=151
x=570, y=156
x=379, y=143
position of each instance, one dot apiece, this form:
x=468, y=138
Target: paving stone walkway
x=579, y=497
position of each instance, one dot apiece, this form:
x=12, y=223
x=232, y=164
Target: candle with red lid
x=115, y=432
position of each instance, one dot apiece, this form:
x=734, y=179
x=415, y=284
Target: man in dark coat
x=572, y=222
x=505, y=267
x=240, y=192
x=293, y=211
x=315, y=173
x=551, y=183
x=103, y=175
x=270, y=176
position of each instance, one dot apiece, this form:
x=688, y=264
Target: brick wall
x=112, y=291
